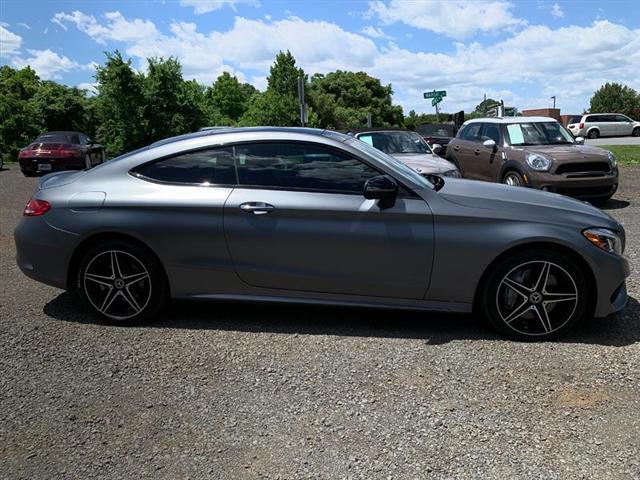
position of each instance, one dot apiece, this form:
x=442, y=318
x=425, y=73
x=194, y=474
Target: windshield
x=397, y=142
x=538, y=133
x=392, y=162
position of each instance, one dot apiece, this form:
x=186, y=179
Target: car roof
x=239, y=130
x=380, y=129
x=507, y=120
x=56, y=132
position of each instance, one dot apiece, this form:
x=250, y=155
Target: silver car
x=411, y=149
x=317, y=217
x=596, y=125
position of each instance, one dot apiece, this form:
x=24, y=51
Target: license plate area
x=44, y=167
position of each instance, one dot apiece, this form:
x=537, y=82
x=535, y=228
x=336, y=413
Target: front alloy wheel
x=536, y=297
x=122, y=283
x=513, y=179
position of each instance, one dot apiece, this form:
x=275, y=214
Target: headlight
x=612, y=160
x=453, y=173
x=605, y=239
x=538, y=162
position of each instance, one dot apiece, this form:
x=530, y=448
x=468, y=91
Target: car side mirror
x=436, y=148
x=489, y=144
x=579, y=141
x=382, y=188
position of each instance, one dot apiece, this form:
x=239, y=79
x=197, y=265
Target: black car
x=53, y=151
x=437, y=133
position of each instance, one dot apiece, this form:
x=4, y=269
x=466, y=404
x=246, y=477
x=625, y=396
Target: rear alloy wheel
x=636, y=132
x=513, y=179
x=535, y=296
x=595, y=133
x=122, y=283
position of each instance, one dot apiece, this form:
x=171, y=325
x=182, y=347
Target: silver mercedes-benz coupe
x=317, y=217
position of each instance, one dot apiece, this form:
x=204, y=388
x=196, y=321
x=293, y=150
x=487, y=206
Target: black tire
x=87, y=161
x=29, y=174
x=601, y=200
x=513, y=178
x=594, y=133
x=102, y=156
x=534, y=314
x=636, y=132
x=125, y=296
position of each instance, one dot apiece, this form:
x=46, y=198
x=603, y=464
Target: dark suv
x=534, y=152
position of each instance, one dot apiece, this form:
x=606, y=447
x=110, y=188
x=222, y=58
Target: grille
x=600, y=167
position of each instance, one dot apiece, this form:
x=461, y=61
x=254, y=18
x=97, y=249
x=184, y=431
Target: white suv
x=596, y=125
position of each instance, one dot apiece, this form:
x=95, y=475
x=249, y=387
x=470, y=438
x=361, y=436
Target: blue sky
x=522, y=52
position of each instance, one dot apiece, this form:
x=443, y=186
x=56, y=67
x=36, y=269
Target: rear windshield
x=58, y=138
x=575, y=119
x=396, y=142
x=435, y=130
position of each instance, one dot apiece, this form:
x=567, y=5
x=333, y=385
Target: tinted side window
x=291, y=166
x=491, y=131
x=214, y=166
x=471, y=132
x=622, y=118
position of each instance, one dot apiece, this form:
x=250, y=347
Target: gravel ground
x=224, y=390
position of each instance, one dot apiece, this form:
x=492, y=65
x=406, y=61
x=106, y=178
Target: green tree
x=616, y=98
x=59, y=107
x=171, y=105
x=18, y=121
x=227, y=100
x=119, y=106
x=483, y=106
x=344, y=99
x=279, y=105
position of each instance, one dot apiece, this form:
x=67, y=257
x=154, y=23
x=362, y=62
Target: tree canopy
x=616, y=98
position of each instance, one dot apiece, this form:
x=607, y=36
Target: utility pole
x=554, y=102
x=303, y=105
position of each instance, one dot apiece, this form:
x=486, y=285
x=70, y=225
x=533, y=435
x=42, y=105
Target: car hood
x=581, y=153
x=527, y=204
x=425, y=163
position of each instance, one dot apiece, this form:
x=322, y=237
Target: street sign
x=435, y=101
x=435, y=93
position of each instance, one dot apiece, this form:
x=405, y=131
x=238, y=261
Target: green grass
x=626, y=154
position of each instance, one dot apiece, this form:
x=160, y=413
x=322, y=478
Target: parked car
x=1, y=161
x=534, y=152
x=596, y=125
x=410, y=148
x=314, y=216
x=53, y=151
x=437, y=134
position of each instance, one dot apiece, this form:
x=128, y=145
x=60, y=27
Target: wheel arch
x=103, y=237
x=590, y=129
x=512, y=165
x=580, y=261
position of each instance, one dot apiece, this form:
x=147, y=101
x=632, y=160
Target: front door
x=488, y=158
x=298, y=221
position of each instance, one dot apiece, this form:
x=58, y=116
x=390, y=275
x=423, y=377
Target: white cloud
x=556, y=11
x=91, y=88
x=116, y=28
x=205, y=6
x=47, y=64
x=453, y=18
x=9, y=42
x=533, y=60
x=24, y=25
x=374, y=32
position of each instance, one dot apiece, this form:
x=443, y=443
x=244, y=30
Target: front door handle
x=257, y=208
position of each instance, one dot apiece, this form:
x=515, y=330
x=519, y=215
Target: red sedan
x=53, y=151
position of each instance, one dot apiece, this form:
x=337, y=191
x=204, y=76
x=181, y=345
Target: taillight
x=69, y=151
x=22, y=153
x=581, y=125
x=36, y=207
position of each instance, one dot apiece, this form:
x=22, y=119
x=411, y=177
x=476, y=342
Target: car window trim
x=403, y=191
x=134, y=173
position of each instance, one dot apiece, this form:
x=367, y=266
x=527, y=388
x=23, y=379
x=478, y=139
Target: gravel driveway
x=223, y=390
